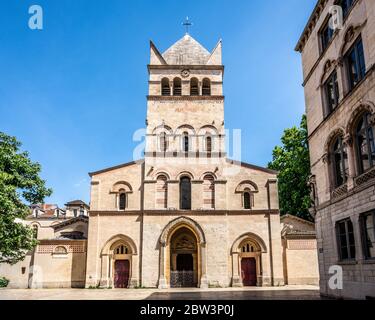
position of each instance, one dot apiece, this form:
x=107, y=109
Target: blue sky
x=74, y=93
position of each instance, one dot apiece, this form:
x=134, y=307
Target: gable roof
x=69, y=222
x=77, y=203
x=115, y=167
x=252, y=166
x=186, y=51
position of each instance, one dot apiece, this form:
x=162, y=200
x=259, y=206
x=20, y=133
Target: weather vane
x=187, y=24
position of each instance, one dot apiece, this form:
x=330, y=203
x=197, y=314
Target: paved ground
x=281, y=293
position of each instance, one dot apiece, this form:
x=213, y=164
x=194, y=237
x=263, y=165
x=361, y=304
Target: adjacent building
x=339, y=83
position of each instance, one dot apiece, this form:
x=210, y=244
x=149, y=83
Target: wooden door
x=248, y=272
x=121, y=273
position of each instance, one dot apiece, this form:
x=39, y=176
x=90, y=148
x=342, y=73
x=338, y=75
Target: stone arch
x=185, y=127
x=120, y=238
x=177, y=223
x=161, y=173
x=185, y=174
x=240, y=258
x=247, y=185
x=109, y=257
x=359, y=111
x=211, y=129
x=181, y=223
x=331, y=137
x=122, y=185
x=248, y=236
x=162, y=129
x=208, y=173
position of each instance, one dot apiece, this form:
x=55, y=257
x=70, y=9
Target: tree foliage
x=293, y=163
x=19, y=183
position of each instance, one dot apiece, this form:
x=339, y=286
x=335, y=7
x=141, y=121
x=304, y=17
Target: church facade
x=186, y=215
x=183, y=216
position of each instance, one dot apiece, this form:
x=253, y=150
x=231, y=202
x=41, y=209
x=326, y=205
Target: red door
x=248, y=272
x=121, y=273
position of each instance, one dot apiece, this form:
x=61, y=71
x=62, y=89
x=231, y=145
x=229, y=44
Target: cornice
x=185, y=98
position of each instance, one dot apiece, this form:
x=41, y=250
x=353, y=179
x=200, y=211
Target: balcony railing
x=367, y=176
x=340, y=191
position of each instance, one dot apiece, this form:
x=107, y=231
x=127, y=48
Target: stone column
x=133, y=283
x=204, y=280
x=162, y=279
x=348, y=141
x=236, y=278
x=104, y=272
x=110, y=275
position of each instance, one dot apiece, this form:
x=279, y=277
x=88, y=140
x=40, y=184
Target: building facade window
x=122, y=201
x=206, y=87
x=161, y=192
x=165, y=87
x=340, y=162
x=35, y=231
x=368, y=234
x=185, y=142
x=194, y=87
x=247, y=199
x=326, y=35
x=185, y=193
x=345, y=240
x=345, y=5
x=365, y=143
x=209, y=192
x=81, y=213
x=209, y=144
x=355, y=64
x=122, y=250
x=177, y=87
x=331, y=90
x=163, y=142
x=75, y=213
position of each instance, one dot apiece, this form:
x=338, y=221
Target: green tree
x=19, y=183
x=293, y=163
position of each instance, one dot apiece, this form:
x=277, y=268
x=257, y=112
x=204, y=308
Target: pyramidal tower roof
x=186, y=51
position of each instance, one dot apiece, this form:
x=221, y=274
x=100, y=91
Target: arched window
x=35, y=231
x=177, y=87
x=206, y=87
x=208, y=143
x=209, y=192
x=340, y=162
x=60, y=250
x=185, y=142
x=365, y=143
x=185, y=193
x=122, y=200
x=161, y=192
x=194, y=87
x=247, y=199
x=122, y=250
x=163, y=142
x=165, y=87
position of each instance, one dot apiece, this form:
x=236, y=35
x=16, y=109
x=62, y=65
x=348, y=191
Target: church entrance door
x=121, y=273
x=183, y=259
x=248, y=271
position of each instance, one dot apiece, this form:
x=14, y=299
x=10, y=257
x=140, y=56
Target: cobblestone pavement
x=280, y=293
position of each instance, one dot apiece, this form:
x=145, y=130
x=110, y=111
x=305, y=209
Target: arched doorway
x=183, y=259
x=247, y=253
x=121, y=266
x=119, y=263
x=182, y=255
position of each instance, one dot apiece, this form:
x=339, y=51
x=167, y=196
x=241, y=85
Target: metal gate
x=182, y=279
